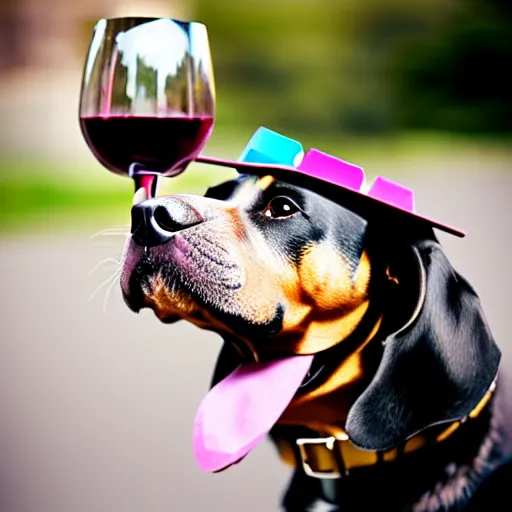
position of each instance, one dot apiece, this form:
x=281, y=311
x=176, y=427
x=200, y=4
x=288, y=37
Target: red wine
x=160, y=144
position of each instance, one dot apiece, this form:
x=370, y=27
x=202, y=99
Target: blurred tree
x=176, y=87
x=278, y=63
x=145, y=79
x=461, y=80
x=361, y=67
x=12, y=51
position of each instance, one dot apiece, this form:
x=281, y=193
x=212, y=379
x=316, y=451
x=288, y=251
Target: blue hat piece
x=269, y=147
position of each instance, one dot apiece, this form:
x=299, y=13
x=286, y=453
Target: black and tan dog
x=400, y=409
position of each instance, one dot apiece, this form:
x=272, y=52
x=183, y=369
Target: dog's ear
x=436, y=367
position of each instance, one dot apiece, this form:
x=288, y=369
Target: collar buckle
x=320, y=457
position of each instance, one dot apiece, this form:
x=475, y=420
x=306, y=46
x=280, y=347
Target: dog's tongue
x=241, y=409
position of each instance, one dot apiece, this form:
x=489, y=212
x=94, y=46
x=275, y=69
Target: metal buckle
x=329, y=443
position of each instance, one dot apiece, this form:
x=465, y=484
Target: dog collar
x=334, y=456
x=270, y=153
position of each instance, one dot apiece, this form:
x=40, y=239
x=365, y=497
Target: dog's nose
x=154, y=222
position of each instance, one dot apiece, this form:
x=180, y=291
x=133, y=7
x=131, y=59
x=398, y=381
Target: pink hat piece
x=393, y=194
x=329, y=168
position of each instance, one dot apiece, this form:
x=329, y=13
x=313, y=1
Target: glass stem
x=144, y=179
x=149, y=182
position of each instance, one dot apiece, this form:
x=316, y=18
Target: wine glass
x=147, y=102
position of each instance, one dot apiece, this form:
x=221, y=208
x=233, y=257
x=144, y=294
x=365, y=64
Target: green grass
x=44, y=196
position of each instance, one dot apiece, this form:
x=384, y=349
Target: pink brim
x=324, y=186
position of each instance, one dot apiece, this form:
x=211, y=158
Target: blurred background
x=96, y=403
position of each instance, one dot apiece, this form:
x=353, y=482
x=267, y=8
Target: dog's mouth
x=243, y=407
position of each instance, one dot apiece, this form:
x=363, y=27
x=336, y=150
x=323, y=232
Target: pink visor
x=340, y=181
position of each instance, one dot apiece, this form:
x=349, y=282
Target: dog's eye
x=280, y=207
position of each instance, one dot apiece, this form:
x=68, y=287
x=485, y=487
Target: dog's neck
x=324, y=408
x=321, y=413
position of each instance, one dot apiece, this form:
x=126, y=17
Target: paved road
x=96, y=409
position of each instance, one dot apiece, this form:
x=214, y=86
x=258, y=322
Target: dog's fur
x=400, y=340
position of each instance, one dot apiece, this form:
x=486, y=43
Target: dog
x=400, y=405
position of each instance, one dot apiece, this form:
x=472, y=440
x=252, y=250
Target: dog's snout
x=154, y=222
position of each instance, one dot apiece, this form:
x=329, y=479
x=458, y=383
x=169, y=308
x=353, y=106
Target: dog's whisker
x=121, y=230
x=105, y=283
x=111, y=233
x=102, y=263
x=119, y=226
x=109, y=290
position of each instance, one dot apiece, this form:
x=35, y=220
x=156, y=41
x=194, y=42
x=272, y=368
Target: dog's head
x=279, y=271
x=278, y=268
